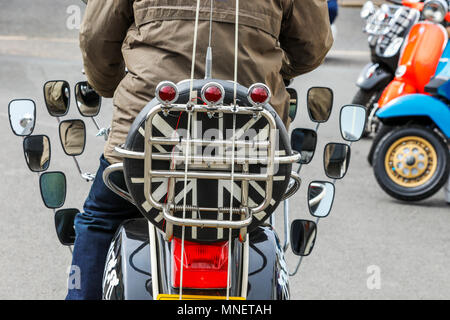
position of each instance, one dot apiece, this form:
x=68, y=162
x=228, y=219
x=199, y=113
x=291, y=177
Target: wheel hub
x=411, y=161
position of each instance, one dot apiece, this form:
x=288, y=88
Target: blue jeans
x=104, y=211
x=332, y=10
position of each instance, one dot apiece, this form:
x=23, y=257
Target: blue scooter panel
x=418, y=105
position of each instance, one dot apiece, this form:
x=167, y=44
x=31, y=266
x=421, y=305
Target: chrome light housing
x=435, y=10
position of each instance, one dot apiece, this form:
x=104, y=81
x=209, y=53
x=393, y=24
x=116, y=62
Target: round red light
x=167, y=93
x=213, y=94
x=259, y=94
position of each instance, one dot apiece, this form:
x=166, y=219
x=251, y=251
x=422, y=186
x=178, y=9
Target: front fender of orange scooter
x=418, y=61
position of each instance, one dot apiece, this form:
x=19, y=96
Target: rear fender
x=128, y=276
x=268, y=274
x=419, y=106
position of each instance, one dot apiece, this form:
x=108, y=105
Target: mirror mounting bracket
x=89, y=177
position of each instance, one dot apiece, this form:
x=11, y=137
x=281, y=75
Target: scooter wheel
x=411, y=163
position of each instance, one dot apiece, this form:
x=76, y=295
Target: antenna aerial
x=208, y=65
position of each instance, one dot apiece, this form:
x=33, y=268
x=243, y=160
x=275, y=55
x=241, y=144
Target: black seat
x=435, y=83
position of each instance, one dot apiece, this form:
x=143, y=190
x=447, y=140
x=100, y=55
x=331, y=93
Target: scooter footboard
x=127, y=274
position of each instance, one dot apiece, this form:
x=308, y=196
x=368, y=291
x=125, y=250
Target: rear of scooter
x=207, y=176
x=209, y=236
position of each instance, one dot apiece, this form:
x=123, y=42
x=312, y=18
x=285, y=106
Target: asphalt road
x=367, y=234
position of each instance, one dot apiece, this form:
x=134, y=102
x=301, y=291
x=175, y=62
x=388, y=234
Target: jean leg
x=332, y=10
x=104, y=211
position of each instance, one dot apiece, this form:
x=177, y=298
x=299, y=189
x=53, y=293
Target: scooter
x=387, y=28
x=144, y=261
x=411, y=159
x=207, y=163
x=419, y=60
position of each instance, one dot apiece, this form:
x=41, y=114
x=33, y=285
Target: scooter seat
x=436, y=82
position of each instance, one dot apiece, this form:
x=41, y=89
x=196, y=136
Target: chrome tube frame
x=268, y=159
x=106, y=178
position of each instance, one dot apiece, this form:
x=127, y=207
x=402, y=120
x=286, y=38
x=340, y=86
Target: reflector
x=259, y=94
x=166, y=92
x=205, y=265
x=213, y=93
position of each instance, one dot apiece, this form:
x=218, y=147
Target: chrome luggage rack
x=208, y=168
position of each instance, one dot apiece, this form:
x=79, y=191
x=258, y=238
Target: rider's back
x=154, y=38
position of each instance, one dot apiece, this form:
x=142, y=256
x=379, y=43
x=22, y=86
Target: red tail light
x=259, y=94
x=213, y=93
x=205, y=265
x=166, y=92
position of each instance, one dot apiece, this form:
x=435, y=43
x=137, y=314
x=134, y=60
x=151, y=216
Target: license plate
x=193, y=297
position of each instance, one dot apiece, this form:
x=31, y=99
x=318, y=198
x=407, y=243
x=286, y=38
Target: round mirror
x=72, y=134
x=303, y=237
x=320, y=103
x=57, y=97
x=53, y=189
x=37, y=152
x=64, y=224
x=22, y=116
x=352, y=122
x=88, y=101
x=320, y=198
x=304, y=141
x=336, y=160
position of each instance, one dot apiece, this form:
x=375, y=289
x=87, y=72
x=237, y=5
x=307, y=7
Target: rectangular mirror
x=53, y=189
x=303, y=237
x=88, y=101
x=22, y=116
x=65, y=225
x=72, y=134
x=320, y=198
x=336, y=159
x=293, y=103
x=304, y=141
x=320, y=103
x=57, y=97
x=352, y=122
x=37, y=152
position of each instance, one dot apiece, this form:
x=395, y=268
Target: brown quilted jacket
x=153, y=39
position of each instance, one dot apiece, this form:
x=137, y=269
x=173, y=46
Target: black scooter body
x=128, y=265
x=379, y=79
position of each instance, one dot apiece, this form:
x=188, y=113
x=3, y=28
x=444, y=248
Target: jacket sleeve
x=103, y=30
x=305, y=37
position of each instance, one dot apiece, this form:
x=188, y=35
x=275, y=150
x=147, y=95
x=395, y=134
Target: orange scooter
x=413, y=4
x=420, y=56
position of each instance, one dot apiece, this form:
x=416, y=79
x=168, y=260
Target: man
x=279, y=39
